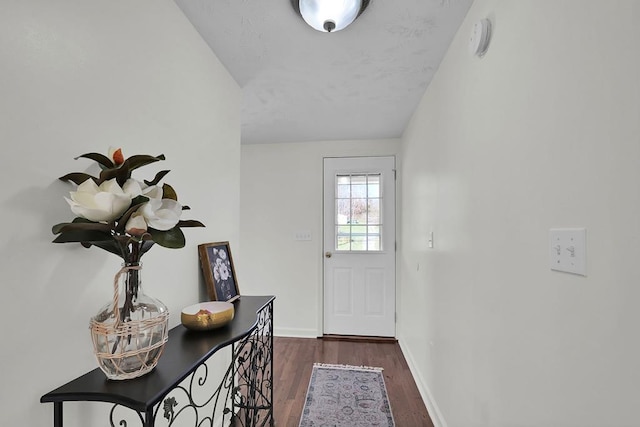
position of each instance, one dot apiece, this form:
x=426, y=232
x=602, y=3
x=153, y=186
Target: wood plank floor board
x=294, y=359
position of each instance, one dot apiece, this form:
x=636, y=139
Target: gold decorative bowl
x=207, y=315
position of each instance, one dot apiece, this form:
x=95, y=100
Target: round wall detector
x=479, y=39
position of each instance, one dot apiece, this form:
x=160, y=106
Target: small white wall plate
x=568, y=249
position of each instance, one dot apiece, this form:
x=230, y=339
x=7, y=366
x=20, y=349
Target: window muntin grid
x=358, y=217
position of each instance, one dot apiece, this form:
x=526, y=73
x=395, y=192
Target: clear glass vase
x=130, y=332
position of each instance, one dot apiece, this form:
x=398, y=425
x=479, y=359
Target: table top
x=184, y=351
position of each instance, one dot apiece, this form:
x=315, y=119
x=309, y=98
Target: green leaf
x=78, y=177
x=82, y=226
x=80, y=219
x=157, y=179
x=169, y=193
x=109, y=246
x=146, y=245
x=139, y=160
x=100, y=158
x=121, y=174
x=57, y=229
x=89, y=236
x=77, y=220
x=139, y=200
x=190, y=223
x=173, y=238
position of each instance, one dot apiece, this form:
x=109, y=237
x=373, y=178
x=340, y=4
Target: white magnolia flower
x=135, y=188
x=132, y=188
x=136, y=226
x=99, y=203
x=161, y=214
x=152, y=192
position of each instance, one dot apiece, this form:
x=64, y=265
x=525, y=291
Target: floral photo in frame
x=219, y=273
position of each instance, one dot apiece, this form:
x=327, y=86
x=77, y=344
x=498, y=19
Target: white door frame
x=390, y=245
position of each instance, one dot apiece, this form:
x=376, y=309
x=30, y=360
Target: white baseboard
x=295, y=333
x=423, y=388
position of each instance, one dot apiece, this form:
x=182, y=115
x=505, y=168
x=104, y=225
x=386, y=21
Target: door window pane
x=344, y=191
x=358, y=243
x=359, y=190
x=343, y=243
x=358, y=217
x=343, y=211
x=358, y=211
x=373, y=187
x=373, y=211
x=373, y=243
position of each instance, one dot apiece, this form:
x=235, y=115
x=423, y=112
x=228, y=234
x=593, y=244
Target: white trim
x=427, y=397
x=295, y=333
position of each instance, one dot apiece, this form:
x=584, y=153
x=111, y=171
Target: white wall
x=281, y=187
x=542, y=132
x=78, y=77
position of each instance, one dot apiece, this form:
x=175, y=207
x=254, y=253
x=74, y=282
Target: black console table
x=244, y=397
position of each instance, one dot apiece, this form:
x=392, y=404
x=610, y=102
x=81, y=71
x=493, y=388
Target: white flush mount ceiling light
x=329, y=15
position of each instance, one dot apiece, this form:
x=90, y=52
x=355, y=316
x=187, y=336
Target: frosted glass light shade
x=321, y=13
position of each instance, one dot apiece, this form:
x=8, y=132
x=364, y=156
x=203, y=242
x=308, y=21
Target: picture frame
x=219, y=272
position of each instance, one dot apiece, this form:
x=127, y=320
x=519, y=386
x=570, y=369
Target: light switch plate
x=302, y=235
x=568, y=250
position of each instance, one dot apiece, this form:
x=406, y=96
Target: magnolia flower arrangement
x=120, y=214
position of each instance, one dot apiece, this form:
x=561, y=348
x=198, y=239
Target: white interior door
x=359, y=246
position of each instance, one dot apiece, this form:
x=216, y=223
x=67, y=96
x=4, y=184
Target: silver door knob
x=327, y=254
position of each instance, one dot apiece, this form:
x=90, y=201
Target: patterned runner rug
x=346, y=396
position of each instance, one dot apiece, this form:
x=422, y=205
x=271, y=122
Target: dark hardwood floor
x=294, y=358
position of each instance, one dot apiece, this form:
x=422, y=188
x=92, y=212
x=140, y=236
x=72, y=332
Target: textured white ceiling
x=363, y=82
